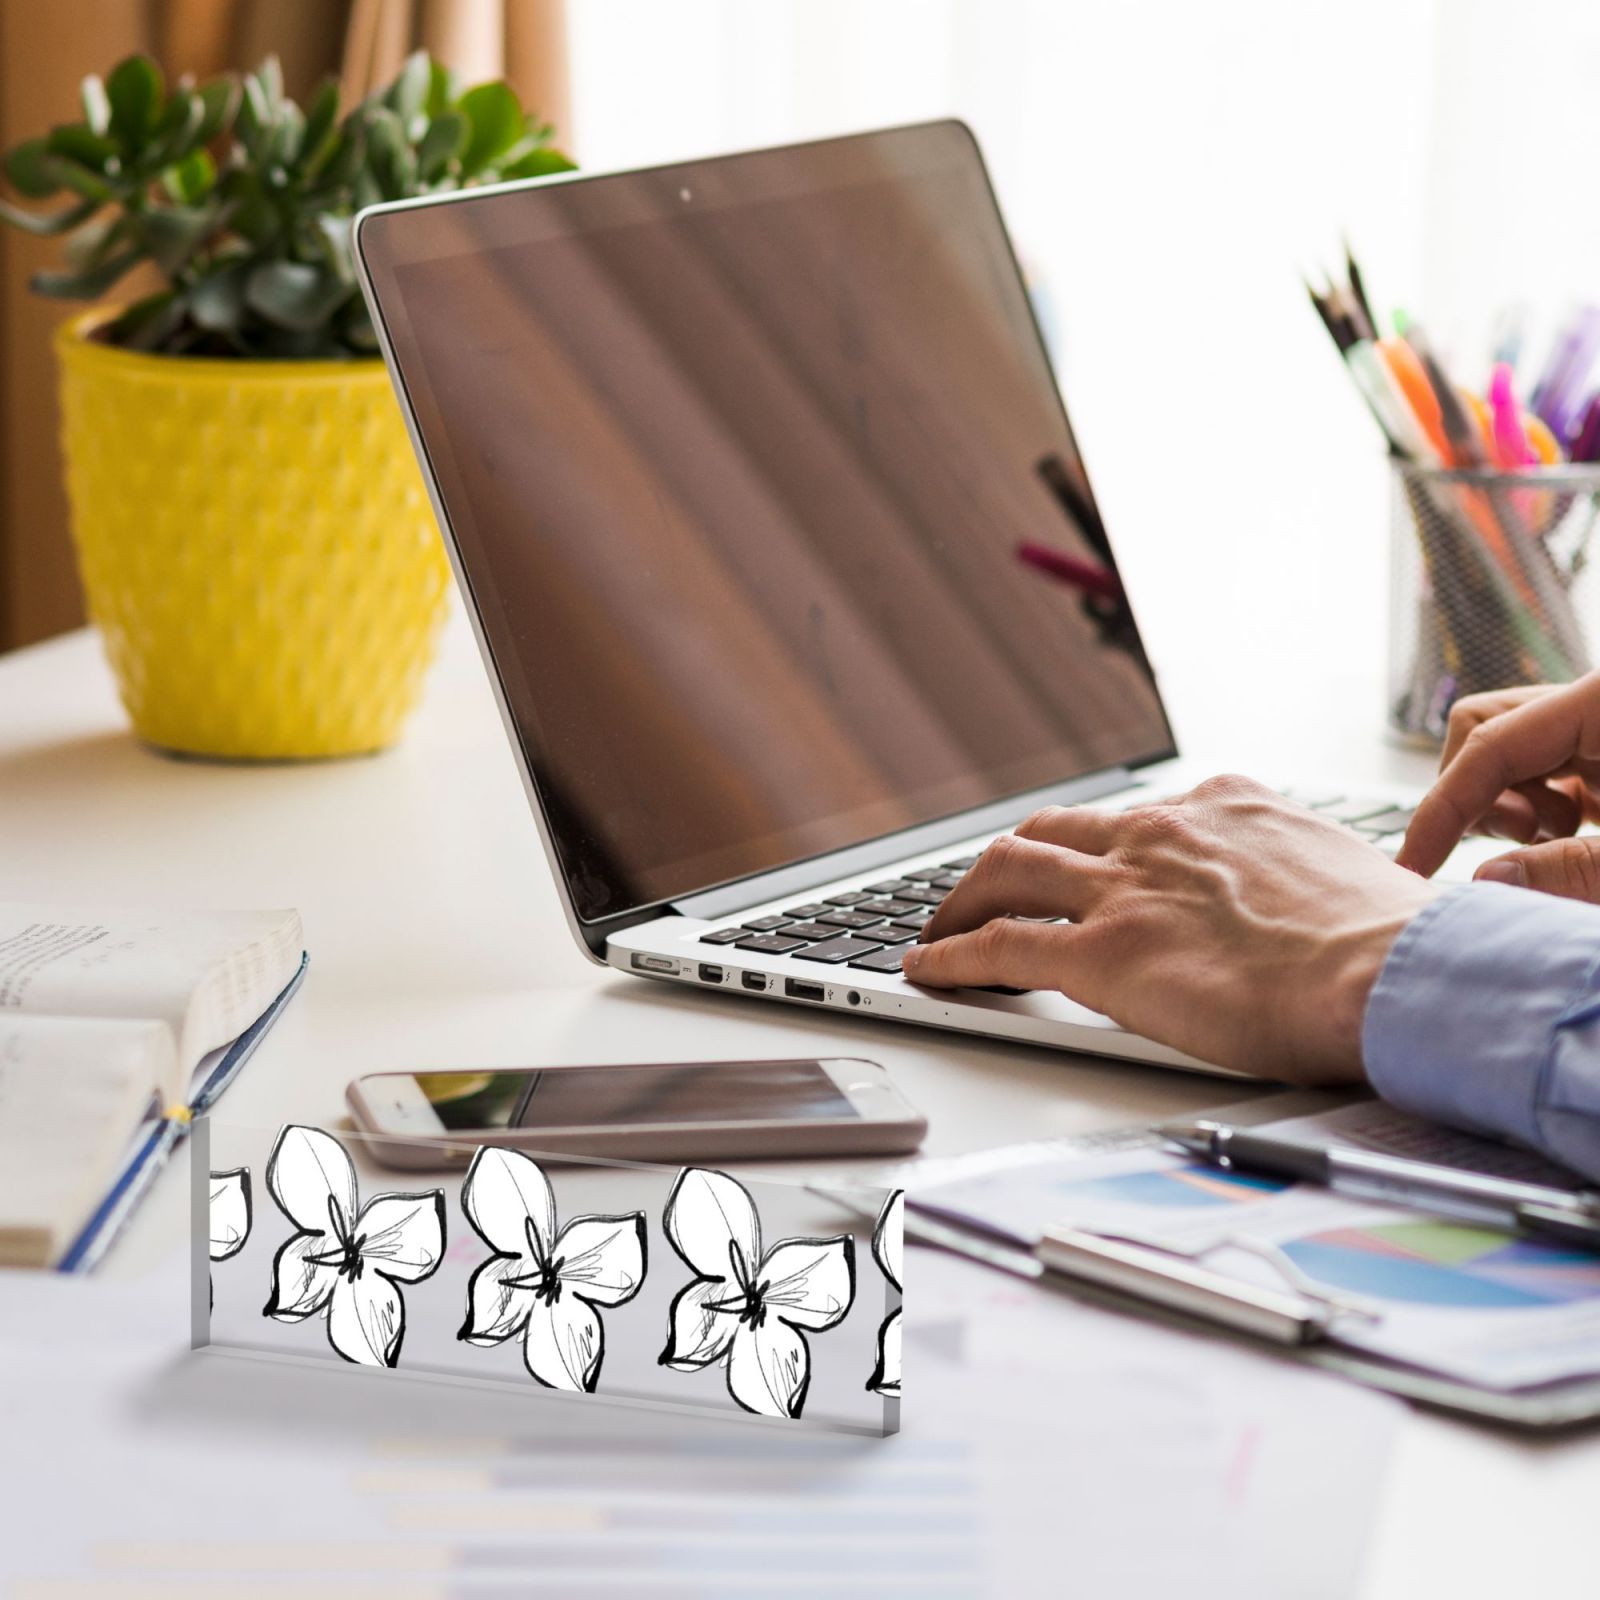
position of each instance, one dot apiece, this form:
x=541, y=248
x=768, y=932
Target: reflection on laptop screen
x=739, y=457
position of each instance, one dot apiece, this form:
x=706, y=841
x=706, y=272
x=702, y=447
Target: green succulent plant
x=243, y=200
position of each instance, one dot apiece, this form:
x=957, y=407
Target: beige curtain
x=46, y=48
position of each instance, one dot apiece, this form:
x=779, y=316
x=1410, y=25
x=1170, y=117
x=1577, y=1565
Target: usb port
x=753, y=980
x=643, y=963
x=709, y=973
x=799, y=989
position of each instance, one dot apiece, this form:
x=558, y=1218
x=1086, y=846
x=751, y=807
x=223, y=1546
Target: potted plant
x=251, y=526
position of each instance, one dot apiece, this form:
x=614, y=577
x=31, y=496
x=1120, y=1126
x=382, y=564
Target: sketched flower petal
x=602, y=1258
x=403, y=1234
x=229, y=1212
x=496, y=1309
x=886, y=1376
x=502, y=1190
x=769, y=1369
x=700, y=1333
x=366, y=1320
x=301, y=1285
x=711, y=1222
x=564, y=1343
x=810, y=1282
x=307, y=1169
x=889, y=1238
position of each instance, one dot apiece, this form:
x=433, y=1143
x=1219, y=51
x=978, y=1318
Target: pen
x=1530, y=1208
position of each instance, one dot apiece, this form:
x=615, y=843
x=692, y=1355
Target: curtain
x=46, y=49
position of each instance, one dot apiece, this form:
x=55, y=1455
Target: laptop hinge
x=804, y=875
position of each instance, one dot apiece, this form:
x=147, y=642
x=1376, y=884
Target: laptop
x=781, y=555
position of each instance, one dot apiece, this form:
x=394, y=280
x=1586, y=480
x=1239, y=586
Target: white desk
x=428, y=910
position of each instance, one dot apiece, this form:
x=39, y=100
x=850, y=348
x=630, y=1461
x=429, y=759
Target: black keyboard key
x=891, y=934
x=722, y=936
x=879, y=961
x=889, y=886
x=814, y=908
x=887, y=908
x=770, y=944
x=768, y=924
x=965, y=864
x=851, y=919
x=914, y=920
x=854, y=898
x=925, y=874
x=925, y=897
x=837, y=950
x=948, y=881
x=810, y=931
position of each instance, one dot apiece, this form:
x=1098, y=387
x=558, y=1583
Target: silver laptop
x=781, y=555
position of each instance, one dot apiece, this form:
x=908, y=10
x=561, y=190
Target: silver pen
x=1555, y=1215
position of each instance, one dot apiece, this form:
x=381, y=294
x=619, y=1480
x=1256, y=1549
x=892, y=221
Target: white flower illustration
x=888, y=1248
x=747, y=1309
x=229, y=1210
x=347, y=1261
x=546, y=1285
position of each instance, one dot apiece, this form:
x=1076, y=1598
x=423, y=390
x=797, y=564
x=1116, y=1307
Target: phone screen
x=633, y=1096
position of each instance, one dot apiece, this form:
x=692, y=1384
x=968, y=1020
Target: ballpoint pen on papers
x=1556, y=1215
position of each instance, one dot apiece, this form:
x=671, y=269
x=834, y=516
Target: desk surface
x=437, y=940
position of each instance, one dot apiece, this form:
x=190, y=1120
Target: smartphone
x=669, y=1111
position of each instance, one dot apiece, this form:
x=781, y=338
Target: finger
x=1076, y=827
x=1020, y=955
x=1510, y=817
x=1566, y=867
x=1472, y=709
x=1556, y=812
x=1534, y=739
x=1019, y=878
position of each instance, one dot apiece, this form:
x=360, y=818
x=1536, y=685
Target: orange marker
x=1408, y=374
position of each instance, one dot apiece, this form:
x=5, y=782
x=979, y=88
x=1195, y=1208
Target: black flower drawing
x=229, y=1211
x=547, y=1285
x=347, y=1261
x=747, y=1309
x=888, y=1249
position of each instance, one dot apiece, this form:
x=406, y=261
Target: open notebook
x=115, y=1027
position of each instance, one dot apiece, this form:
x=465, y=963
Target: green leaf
x=444, y=89
x=85, y=285
x=390, y=159
x=288, y=133
x=496, y=121
x=294, y=295
x=96, y=107
x=31, y=171
x=219, y=98
x=149, y=323
x=269, y=75
x=93, y=242
x=134, y=90
x=408, y=94
x=255, y=117
x=50, y=223
x=191, y=180
x=81, y=180
x=539, y=164
x=216, y=301
x=445, y=139
x=85, y=147
x=321, y=130
x=335, y=235
x=172, y=234
x=178, y=131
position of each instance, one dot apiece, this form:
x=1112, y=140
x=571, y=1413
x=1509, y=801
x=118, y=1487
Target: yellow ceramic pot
x=256, y=545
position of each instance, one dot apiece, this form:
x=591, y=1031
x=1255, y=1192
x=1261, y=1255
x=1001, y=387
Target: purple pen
x=1586, y=447
x=1560, y=402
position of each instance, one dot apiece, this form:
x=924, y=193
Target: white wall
x=1167, y=169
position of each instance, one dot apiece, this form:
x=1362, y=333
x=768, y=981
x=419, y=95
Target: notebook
x=116, y=1026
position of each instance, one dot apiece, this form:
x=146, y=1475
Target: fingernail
x=1512, y=872
x=909, y=960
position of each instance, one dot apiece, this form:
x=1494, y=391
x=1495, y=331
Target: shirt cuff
x=1464, y=1013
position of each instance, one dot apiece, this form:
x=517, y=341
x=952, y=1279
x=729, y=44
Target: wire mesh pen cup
x=1487, y=587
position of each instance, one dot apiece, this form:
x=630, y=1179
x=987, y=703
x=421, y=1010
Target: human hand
x=1231, y=924
x=1521, y=764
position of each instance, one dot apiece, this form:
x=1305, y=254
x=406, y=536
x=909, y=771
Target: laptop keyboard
x=866, y=927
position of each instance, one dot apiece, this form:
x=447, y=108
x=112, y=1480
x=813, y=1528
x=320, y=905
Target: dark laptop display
x=741, y=458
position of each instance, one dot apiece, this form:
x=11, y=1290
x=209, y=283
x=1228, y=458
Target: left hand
x=1231, y=923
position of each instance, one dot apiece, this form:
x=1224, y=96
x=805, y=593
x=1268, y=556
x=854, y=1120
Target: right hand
x=1520, y=764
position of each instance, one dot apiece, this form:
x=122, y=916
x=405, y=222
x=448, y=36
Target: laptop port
x=709, y=973
x=799, y=989
x=665, y=964
x=753, y=980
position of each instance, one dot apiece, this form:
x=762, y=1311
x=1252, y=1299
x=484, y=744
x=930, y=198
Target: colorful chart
x=1447, y=1264
x=1178, y=1186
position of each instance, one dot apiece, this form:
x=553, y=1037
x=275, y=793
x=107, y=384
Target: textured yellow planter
x=256, y=545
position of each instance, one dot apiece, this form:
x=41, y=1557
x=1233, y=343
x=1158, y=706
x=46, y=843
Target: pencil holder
x=1487, y=586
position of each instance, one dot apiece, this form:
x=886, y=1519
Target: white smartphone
x=670, y=1111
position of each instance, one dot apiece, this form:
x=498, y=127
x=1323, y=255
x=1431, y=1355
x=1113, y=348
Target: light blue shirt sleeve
x=1486, y=1015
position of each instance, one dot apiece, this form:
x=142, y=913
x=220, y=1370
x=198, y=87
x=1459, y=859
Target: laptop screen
x=764, y=494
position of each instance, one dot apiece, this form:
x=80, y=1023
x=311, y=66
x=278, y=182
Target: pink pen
x=1511, y=446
